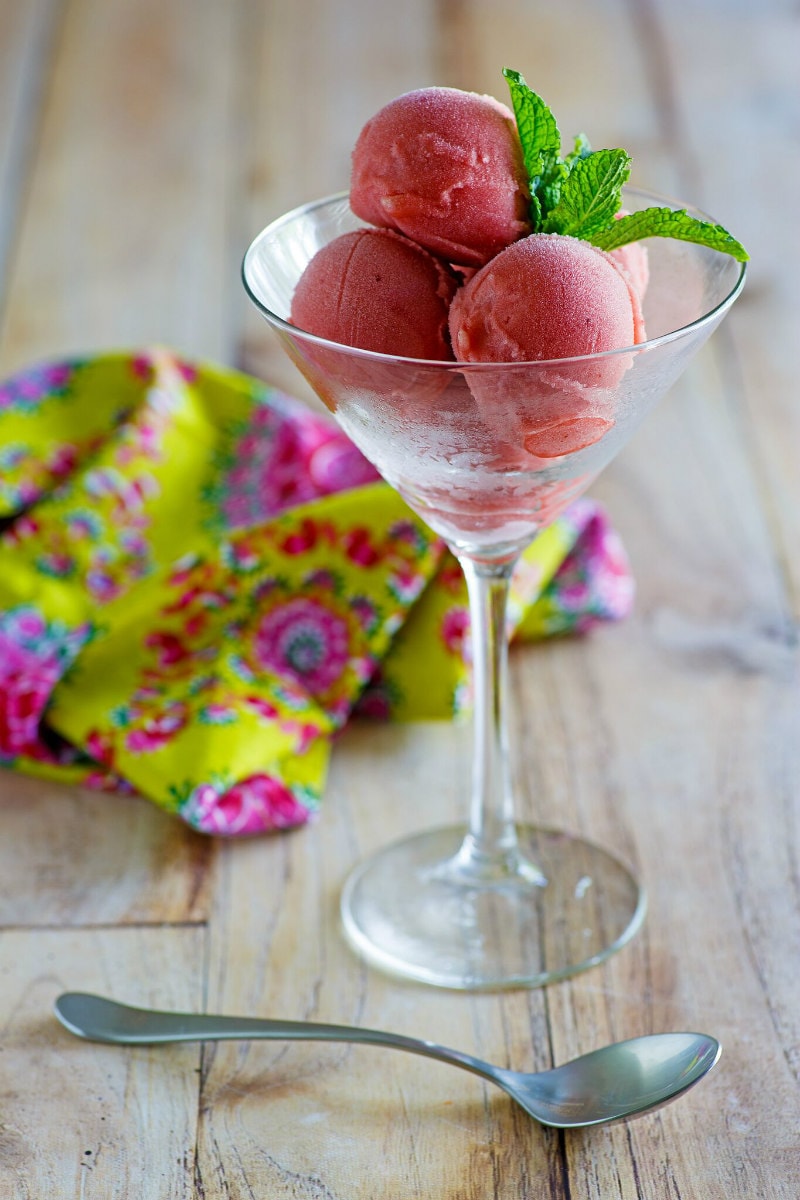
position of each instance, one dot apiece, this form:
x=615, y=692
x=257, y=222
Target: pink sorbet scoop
x=549, y=297
x=444, y=167
x=376, y=290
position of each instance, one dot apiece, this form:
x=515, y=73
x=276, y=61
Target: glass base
x=412, y=910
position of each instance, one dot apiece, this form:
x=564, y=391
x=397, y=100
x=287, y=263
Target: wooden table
x=142, y=144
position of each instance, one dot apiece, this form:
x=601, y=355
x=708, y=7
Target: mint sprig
x=581, y=194
x=590, y=194
x=541, y=145
x=669, y=222
x=582, y=150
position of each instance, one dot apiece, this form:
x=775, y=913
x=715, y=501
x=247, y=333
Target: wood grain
x=89, y=1120
x=73, y=857
x=141, y=146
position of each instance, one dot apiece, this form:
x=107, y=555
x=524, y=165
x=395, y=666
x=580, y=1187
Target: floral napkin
x=201, y=581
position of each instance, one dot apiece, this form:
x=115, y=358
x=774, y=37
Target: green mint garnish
x=669, y=222
x=590, y=195
x=580, y=195
x=582, y=150
x=541, y=145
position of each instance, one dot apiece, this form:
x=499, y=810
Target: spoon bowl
x=617, y=1081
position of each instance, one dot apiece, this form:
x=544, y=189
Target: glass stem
x=490, y=851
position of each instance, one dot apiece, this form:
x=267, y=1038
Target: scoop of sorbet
x=444, y=167
x=544, y=299
x=376, y=290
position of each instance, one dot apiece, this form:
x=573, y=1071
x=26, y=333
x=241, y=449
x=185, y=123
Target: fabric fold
x=201, y=580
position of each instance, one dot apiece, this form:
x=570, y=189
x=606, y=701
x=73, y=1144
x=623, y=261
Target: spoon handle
x=100, y=1020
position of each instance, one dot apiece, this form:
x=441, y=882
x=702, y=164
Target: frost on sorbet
x=445, y=167
x=544, y=299
x=373, y=290
x=377, y=291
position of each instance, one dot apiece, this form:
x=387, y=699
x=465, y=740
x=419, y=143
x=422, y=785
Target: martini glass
x=488, y=454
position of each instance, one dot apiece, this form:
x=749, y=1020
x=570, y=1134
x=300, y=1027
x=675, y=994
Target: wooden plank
x=570, y=58
x=80, y=1119
x=673, y=737
x=628, y=736
x=26, y=33
x=72, y=857
x=124, y=238
x=746, y=178
x=303, y=101
x=295, y=1119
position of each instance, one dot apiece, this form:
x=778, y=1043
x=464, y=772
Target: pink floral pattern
x=241, y=599
x=29, y=389
x=257, y=804
x=305, y=640
x=282, y=456
x=34, y=655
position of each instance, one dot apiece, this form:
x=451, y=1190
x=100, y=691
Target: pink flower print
x=240, y=557
x=359, y=547
x=22, y=700
x=575, y=594
x=187, y=371
x=27, y=390
x=184, y=569
x=259, y=804
x=27, y=626
x=170, y=648
x=263, y=707
x=62, y=461
x=142, y=367
x=336, y=464
x=196, y=625
x=83, y=525
x=105, y=781
x=365, y=612
x=129, y=496
x=157, y=731
x=204, y=598
x=450, y=576
x=100, y=747
x=102, y=585
x=238, y=512
x=408, y=533
x=24, y=527
x=321, y=578
x=374, y=704
x=303, y=538
x=217, y=714
x=27, y=679
x=57, y=565
x=306, y=641
x=455, y=630
x=142, y=438
x=103, y=481
x=303, y=733
x=406, y=583
x=378, y=698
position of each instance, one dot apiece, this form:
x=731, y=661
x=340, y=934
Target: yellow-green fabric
x=201, y=581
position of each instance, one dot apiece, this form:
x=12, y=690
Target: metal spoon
x=617, y=1081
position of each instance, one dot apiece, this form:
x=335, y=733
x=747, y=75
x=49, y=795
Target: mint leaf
x=580, y=195
x=590, y=194
x=667, y=222
x=541, y=145
x=582, y=150
x=537, y=126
